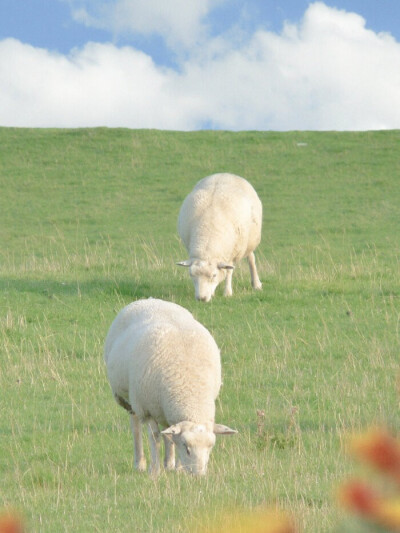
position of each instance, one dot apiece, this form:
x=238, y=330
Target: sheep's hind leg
x=255, y=280
x=155, y=441
x=228, y=282
x=136, y=427
x=169, y=458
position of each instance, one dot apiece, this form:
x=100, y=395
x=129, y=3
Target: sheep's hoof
x=170, y=465
x=141, y=465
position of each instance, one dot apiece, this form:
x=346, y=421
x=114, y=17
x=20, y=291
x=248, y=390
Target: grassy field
x=88, y=224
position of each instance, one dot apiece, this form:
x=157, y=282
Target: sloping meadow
x=88, y=224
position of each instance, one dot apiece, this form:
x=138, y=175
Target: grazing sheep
x=220, y=223
x=164, y=368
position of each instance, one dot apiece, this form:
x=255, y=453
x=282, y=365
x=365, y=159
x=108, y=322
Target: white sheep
x=164, y=368
x=220, y=223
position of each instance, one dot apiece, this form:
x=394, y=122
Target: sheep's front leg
x=136, y=427
x=178, y=464
x=155, y=441
x=255, y=280
x=169, y=459
x=228, y=282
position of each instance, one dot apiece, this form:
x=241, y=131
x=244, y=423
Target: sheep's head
x=194, y=443
x=206, y=276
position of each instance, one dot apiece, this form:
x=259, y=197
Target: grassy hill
x=88, y=224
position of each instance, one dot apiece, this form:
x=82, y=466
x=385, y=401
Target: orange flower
x=380, y=449
x=358, y=497
x=10, y=524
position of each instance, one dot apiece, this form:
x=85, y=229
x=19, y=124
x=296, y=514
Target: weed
x=279, y=439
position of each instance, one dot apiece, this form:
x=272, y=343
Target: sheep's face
x=194, y=443
x=206, y=276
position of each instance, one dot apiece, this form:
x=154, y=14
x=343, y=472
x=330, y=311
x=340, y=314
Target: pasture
x=88, y=224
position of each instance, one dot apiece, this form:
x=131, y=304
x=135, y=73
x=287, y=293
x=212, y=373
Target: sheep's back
x=163, y=362
x=222, y=211
x=177, y=374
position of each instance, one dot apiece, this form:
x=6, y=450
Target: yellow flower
x=257, y=521
x=388, y=514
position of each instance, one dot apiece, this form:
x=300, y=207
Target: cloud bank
x=326, y=72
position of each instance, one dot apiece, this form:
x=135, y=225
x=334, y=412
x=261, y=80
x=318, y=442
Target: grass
x=88, y=224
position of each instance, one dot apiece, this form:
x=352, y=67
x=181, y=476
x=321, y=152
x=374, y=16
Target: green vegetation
x=88, y=224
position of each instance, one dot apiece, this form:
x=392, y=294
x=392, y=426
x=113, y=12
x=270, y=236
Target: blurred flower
x=10, y=523
x=389, y=513
x=258, y=521
x=380, y=449
x=361, y=499
x=358, y=497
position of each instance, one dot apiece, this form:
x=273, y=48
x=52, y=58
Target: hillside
x=88, y=224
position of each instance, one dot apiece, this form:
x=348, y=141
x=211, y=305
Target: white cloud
x=179, y=22
x=327, y=72
x=98, y=85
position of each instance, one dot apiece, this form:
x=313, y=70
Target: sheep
x=164, y=368
x=220, y=223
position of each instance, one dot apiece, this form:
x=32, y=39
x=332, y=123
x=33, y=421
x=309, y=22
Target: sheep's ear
x=220, y=429
x=226, y=266
x=172, y=430
x=186, y=263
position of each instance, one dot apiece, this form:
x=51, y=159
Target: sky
x=201, y=64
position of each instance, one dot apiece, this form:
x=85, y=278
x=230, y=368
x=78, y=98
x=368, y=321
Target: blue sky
x=227, y=64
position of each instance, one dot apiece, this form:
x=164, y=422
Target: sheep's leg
x=136, y=427
x=169, y=459
x=178, y=464
x=155, y=441
x=228, y=282
x=255, y=280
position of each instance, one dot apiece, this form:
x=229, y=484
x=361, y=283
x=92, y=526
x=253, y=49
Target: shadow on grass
x=126, y=288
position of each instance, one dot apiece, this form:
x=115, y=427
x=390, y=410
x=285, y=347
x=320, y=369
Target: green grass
x=88, y=224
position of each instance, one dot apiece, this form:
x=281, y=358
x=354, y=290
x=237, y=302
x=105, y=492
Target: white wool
x=220, y=223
